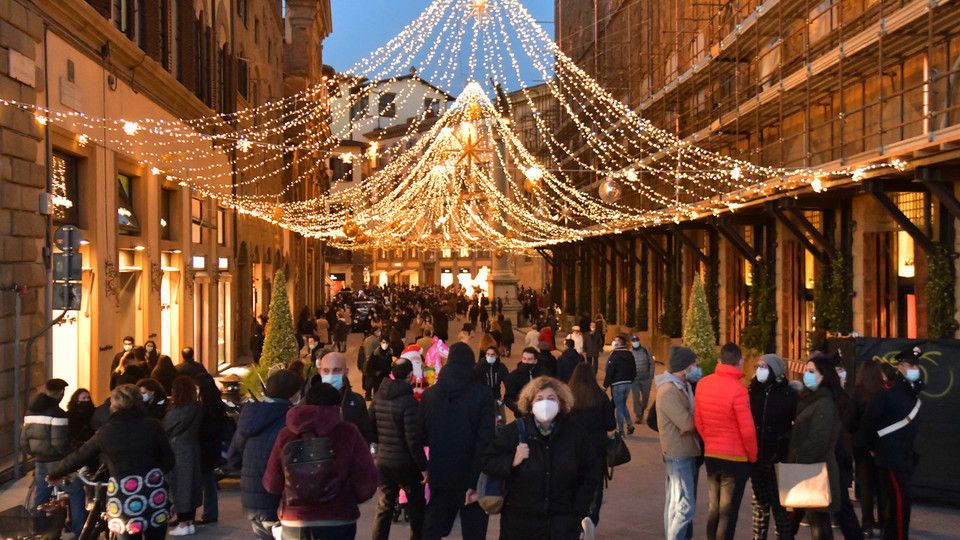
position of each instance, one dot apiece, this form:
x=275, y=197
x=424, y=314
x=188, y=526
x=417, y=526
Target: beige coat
x=678, y=436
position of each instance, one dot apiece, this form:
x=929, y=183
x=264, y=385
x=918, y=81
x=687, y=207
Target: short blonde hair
x=125, y=396
x=530, y=391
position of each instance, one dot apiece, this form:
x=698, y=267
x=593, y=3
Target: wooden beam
x=653, y=246
x=741, y=245
x=818, y=237
x=777, y=213
x=691, y=245
x=902, y=220
x=932, y=178
x=543, y=253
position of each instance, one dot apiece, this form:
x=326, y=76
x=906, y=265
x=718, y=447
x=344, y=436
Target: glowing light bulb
x=534, y=174
x=130, y=128
x=735, y=173
x=817, y=185
x=82, y=140
x=244, y=145
x=41, y=119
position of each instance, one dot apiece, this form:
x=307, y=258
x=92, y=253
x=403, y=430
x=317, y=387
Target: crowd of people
x=431, y=419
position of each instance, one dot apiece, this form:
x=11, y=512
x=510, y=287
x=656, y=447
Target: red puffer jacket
x=721, y=413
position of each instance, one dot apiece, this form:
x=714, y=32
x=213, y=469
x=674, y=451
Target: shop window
x=65, y=189
x=905, y=255
x=196, y=221
x=221, y=227
x=388, y=105
x=167, y=198
x=446, y=253
x=464, y=253
x=127, y=221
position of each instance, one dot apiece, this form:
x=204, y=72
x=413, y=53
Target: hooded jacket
x=458, y=416
x=352, y=406
x=722, y=415
x=257, y=430
x=678, y=435
x=352, y=459
x=621, y=368
x=395, y=415
x=774, y=407
x=492, y=375
x=45, y=434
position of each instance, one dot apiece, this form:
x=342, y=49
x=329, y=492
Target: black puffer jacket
x=621, y=368
x=257, y=430
x=492, y=375
x=395, y=415
x=458, y=416
x=552, y=489
x=774, y=407
x=129, y=443
x=895, y=450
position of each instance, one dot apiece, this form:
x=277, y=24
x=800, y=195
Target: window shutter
x=185, y=22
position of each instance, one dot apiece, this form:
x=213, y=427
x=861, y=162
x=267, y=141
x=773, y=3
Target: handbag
x=492, y=491
x=803, y=485
x=617, y=453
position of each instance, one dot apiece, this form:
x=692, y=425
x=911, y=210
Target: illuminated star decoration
x=479, y=9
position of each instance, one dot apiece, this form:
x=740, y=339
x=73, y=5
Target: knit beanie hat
x=776, y=364
x=681, y=358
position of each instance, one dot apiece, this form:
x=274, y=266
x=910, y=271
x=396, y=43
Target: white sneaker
x=193, y=528
x=589, y=529
x=182, y=530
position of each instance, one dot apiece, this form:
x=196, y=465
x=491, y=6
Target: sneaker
x=182, y=530
x=589, y=529
x=630, y=429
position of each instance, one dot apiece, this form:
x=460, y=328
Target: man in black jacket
x=189, y=366
x=621, y=371
x=400, y=458
x=333, y=371
x=887, y=431
x=568, y=361
x=458, y=426
x=774, y=406
x=527, y=370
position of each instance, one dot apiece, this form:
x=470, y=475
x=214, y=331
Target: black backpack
x=309, y=472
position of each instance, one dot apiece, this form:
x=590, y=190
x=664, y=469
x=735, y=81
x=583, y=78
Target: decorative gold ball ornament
x=610, y=191
x=350, y=229
x=473, y=110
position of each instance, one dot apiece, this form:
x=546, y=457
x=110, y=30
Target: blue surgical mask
x=145, y=397
x=636, y=344
x=335, y=380
x=695, y=374
x=763, y=374
x=810, y=380
x=913, y=374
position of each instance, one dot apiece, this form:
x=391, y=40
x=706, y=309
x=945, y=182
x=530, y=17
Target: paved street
x=632, y=505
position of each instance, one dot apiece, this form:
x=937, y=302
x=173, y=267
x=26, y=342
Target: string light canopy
x=599, y=166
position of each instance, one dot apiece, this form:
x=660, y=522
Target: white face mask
x=763, y=374
x=491, y=359
x=127, y=347
x=545, y=410
x=384, y=346
x=149, y=348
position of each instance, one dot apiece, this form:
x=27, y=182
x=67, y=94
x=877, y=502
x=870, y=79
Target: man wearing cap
x=887, y=431
x=641, y=384
x=45, y=438
x=678, y=442
x=774, y=406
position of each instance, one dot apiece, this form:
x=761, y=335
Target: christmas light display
x=602, y=168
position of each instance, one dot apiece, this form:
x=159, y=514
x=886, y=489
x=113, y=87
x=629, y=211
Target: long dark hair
x=75, y=398
x=868, y=383
x=586, y=391
x=184, y=391
x=826, y=365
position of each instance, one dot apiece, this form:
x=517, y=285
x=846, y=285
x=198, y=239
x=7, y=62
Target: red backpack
x=309, y=471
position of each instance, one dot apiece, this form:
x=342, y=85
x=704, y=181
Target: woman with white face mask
x=544, y=442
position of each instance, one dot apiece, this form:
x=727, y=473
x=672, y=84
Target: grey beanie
x=681, y=358
x=776, y=364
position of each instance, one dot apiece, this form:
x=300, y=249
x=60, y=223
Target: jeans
x=74, y=489
x=210, y=506
x=620, y=394
x=680, y=501
x=262, y=523
x=641, y=396
x=442, y=512
x=391, y=482
x=727, y=481
x=766, y=501
x=333, y=532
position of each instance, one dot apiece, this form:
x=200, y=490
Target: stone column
x=502, y=275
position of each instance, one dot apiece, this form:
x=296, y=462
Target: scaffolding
x=787, y=83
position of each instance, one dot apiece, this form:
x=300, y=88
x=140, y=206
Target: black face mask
x=84, y=407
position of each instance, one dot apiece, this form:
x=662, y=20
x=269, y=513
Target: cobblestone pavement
x=633, y=503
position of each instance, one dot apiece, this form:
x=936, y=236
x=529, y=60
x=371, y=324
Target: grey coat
x=182, y=424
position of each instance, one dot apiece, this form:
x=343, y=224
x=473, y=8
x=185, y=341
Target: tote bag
x=803, y=485
x=492, y=491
